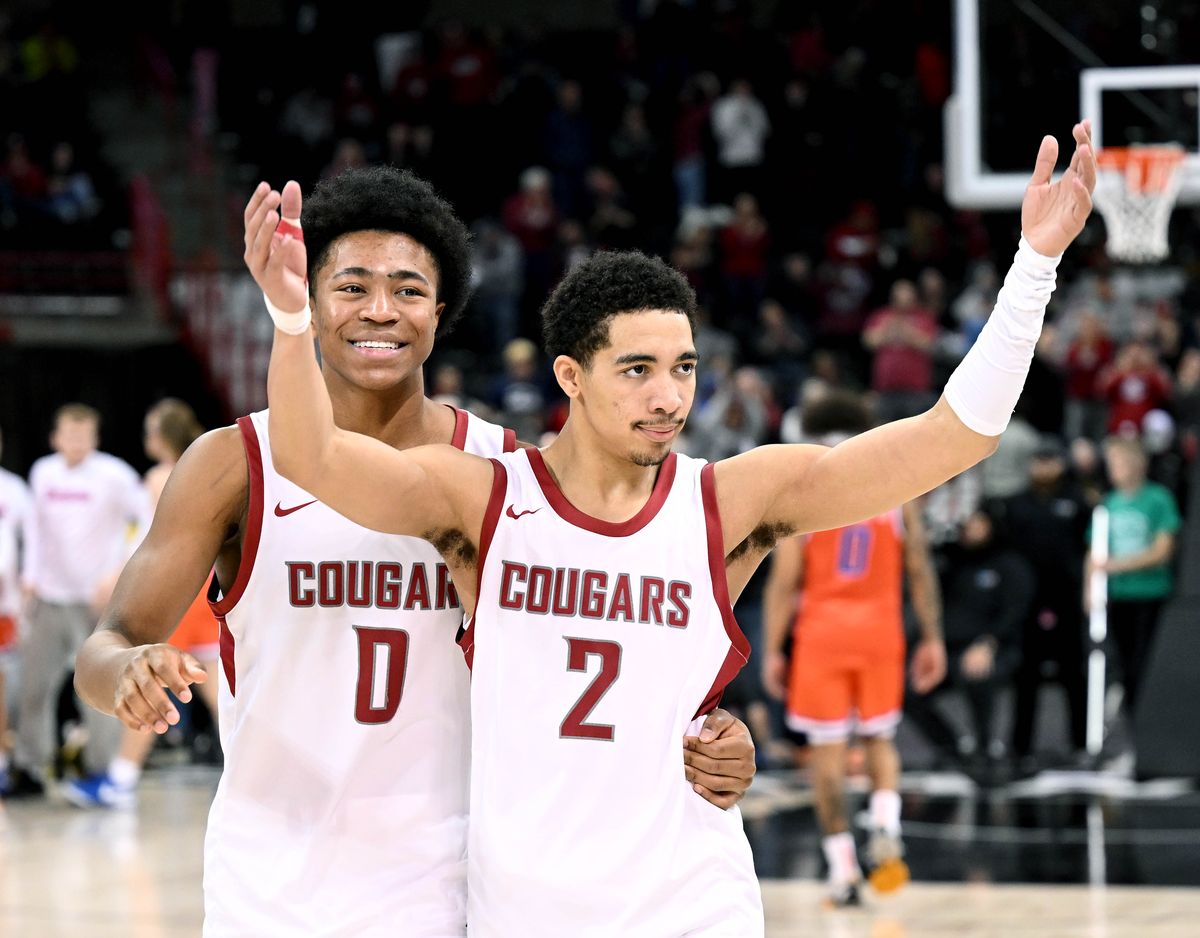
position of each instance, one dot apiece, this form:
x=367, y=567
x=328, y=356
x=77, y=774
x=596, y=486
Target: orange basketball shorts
x=832, y=695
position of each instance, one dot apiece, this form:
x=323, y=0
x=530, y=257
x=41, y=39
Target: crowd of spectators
x=821, y=246
x=56, y=192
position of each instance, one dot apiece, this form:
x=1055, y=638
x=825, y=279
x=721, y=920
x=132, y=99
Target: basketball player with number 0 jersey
x=597, y=570
x=839, y=594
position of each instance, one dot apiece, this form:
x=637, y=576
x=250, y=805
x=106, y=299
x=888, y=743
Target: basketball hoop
x=1135, y=191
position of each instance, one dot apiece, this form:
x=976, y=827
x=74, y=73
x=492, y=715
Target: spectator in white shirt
x=14, y=514
x=89, y=508
x=740, y=126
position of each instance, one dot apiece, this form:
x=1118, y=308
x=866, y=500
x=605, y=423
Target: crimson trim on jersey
x=491, y=518
x=510, y=440
x=225, y=643
x=224, y=636
x=572, y=515
x=254, y=521
x=459, y=440
x=739, y=651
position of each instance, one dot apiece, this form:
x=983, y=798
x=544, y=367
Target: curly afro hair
x=383, y=198
x=575, y=318
x=836, y=412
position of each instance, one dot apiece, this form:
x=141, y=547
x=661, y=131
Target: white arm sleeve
x=985, y=386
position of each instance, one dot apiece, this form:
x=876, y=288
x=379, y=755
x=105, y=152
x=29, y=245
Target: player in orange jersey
x=840, y=594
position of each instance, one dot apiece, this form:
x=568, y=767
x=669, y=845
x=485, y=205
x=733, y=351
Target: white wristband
x=985, y=387
x=291, y=323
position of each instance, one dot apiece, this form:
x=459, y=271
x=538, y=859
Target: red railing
x=150, y=253
x=65, y=273
x=228, y=331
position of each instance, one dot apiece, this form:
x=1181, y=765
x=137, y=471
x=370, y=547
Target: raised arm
x=366, y=480
x=418, y=491
x=809, y=488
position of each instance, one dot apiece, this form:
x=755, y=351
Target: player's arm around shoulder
x=415, y=492
x=122, y=667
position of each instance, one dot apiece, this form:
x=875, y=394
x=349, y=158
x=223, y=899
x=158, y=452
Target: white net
x=1136, y=189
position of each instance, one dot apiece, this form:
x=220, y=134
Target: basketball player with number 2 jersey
x=628, y=638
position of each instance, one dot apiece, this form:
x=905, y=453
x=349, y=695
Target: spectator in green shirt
x=1143, y=520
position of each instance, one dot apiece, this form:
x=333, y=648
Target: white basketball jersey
x=595, y=648
x=344, y=718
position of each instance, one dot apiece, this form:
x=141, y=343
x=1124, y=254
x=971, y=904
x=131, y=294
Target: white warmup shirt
x=740, y=126
x=84, y=521
x=594, y=649
x=15, y=506
x=344, y=718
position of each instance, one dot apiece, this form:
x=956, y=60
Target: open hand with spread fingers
x=1053, y=213
x=275, y=252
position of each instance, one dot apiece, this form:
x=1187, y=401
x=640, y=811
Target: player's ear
x=437, y=313
x=568, y=372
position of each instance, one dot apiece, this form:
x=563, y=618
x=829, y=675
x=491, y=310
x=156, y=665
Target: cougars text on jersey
x=364, y=584
x=593, y=594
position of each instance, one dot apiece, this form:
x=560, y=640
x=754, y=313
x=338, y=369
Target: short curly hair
x=383, y=198
x=576, y=316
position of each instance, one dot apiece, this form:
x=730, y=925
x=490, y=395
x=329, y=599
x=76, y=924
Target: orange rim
x=1144, y=168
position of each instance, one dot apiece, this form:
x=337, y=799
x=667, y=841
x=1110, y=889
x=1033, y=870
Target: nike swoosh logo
x=512, y=514
x=281, y=512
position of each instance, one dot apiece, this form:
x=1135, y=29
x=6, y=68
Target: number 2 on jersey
x=380, y=685
x=578, y=652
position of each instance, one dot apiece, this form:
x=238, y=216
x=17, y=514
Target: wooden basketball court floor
x=66, y=873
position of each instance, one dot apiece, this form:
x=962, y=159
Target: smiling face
x=638, y=389
x=375, y=308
